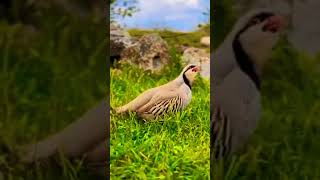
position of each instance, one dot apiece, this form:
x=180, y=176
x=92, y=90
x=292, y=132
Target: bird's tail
x=121, y=109
x=136, y=103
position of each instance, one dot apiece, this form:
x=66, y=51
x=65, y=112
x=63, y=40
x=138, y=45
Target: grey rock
x=205, y=41
x=198, y=56
x=119, y=39
x=150, y=52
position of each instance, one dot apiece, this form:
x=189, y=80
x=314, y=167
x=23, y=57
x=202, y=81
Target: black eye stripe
x=261, y=17
x=190, y=67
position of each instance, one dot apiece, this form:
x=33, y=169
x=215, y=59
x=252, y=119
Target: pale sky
x=180, y=15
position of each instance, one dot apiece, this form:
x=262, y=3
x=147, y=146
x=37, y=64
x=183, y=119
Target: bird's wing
x=220, y=133
x=237, y=109
x=160, y=100
x=138, y=102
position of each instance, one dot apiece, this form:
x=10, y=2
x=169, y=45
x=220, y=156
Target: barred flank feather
x=220, y=134
x=166, y=106
x=165, y=99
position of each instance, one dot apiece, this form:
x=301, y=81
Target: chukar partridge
x=168, y=98
x=236, y=73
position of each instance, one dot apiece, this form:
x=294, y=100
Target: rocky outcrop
x=150, y=52
x=305, y=33
x=205, y=41
x=200, y=57
x=119, y=40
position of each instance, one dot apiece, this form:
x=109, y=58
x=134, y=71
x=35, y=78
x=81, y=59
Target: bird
x=171, y=97
x=236, y=79
x=87, y=138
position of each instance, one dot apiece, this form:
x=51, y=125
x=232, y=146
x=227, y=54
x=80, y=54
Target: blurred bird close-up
x=237, y=69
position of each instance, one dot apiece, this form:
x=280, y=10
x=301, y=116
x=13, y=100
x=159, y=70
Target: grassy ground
x=175, y=148
x=48, y=78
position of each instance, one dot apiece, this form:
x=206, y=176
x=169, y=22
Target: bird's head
x=257, y=33
x=189, y=73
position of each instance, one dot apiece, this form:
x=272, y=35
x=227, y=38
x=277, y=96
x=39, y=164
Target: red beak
x=275, y=23
x=196, y=69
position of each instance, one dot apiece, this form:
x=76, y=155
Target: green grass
x=176, y=147
x=48, y=79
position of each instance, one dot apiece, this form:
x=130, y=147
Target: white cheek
x=189, y=74
x=256, y=39
x=258, y=45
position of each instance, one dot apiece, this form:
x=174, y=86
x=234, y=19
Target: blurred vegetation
x=221, y=21
x=52, y=70
x=286, y=143
x=122, y=8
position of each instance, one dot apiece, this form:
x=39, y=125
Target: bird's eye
x=255, y=21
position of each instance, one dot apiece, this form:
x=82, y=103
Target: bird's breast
x=186, y=94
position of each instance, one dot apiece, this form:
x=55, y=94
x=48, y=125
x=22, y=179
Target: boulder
x=305, y=27
x=198, y=56
x=205, y=41
x=150, y=52
x=119, y=40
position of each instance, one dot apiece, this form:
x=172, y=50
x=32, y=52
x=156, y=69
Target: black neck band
x=186, y=81
x=242, y=58
x=245, y=62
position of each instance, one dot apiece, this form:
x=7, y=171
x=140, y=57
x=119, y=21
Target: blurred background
x=53, y=69
x=286, y=143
